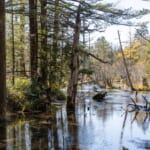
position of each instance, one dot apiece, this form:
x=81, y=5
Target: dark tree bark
x=2, y=61
x=72, y=130
x=44, y=52
x=33, y=37
x=74, y=67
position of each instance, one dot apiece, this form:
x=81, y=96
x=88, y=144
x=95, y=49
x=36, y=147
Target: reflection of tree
x=103, y=109
x=18, y=134
x=61, y=134
x=27, y=136
x=2, y=132
x=122, y=129
x=55, y=135
x=142, y=144
x=141, y=112
x=72, y=131
x=39, y=137
x=142, y=119
x=64, y=131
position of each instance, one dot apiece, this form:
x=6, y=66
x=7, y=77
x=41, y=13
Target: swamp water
x=94, y=126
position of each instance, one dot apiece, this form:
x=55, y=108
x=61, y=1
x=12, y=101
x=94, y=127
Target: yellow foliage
x=136, y=44
x=129, y=54
x=139, y=87
x=18, y=90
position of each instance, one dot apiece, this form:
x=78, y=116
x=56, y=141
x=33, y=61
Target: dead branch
x=133, y=101
x=97, y=58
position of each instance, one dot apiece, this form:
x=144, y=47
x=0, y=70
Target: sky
x=111, y=33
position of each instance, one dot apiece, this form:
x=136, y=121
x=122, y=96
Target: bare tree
x=125, y=64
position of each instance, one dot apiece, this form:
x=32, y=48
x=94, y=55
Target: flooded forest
x=74, y=75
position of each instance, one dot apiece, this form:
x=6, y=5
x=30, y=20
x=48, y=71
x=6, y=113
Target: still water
x=94, y=126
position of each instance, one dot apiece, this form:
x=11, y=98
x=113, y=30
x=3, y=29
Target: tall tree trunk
x=2, y=61
x=13, y=45
x=22, y=40
x=56, y=30
x=72, y=87
x=125, y=64
x=44, y=52
x=55, y=50
x=33, y=37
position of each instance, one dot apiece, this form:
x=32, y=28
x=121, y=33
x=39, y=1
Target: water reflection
x=2, y=135
x=94, y=126
x=27, y=136
x=18, y=135
x=50, y=140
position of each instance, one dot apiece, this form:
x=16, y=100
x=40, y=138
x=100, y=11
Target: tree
x=58, y=34
x=13, y=45
x=99, y=15
x=73, y=82
x=141, y=32
x=125, y=64
x=17, y=42
x=55, y=53
x=103, y=71
x=43, y=52
x=33, y=37
x=2, y=61
x=21, y=47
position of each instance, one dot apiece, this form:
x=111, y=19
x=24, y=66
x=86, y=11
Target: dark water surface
x=94, y=126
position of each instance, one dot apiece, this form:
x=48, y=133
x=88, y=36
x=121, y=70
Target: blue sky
x=111, y=32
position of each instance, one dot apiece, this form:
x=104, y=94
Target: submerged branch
x=138, y=107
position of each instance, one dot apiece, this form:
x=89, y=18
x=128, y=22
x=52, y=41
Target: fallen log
x=100, y=95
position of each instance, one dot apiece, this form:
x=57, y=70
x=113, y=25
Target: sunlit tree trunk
x=22, y=40
x=74, y=67
x=2, y=61
x=13, y=45
x=33, y=37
